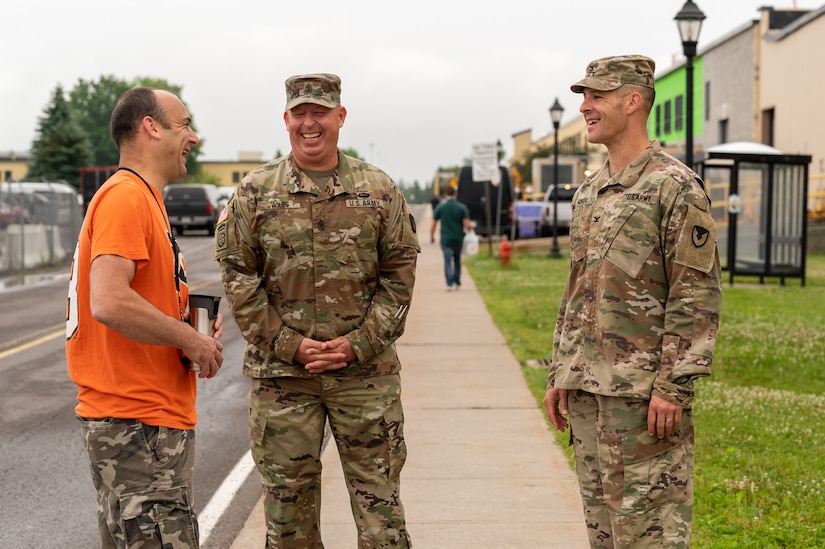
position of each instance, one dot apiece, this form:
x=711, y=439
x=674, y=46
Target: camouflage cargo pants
x=637, y=490
x=143, y=477
x=287, y=417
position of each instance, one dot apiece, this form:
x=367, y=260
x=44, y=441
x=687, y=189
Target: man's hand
x=324, y=356
x=206, y=351
x=663, y=417
x=555, y=401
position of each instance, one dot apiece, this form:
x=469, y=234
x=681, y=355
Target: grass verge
x=760, y=454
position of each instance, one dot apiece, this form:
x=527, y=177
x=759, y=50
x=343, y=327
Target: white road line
x=208, y=518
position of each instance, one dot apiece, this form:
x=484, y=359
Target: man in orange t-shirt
x=128, y=347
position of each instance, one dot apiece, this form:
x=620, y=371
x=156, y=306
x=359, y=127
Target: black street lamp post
x=689, y=21
x=555, y=115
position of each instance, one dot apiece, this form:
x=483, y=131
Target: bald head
x=131, y=109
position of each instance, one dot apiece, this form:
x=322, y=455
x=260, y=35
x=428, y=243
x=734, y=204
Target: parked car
x=535, y=218
x=565, y=207
x=45, y=202
x=10, y=213
x=225, y=195
x=192, y=206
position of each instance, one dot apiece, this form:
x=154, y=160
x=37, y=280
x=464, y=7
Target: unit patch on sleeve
x=697, y=242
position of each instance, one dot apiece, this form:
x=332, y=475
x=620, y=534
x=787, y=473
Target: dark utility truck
x=474, y=195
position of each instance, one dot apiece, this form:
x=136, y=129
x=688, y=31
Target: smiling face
x=313, y=135
x=177, y=136
x=605, y=113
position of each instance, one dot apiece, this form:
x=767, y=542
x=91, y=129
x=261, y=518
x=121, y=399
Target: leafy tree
x=415, y=193
x=60, y=147
x=92, y=104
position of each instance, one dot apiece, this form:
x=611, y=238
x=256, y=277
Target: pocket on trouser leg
x=164, y=518
x=655, y=470
x=657, y=489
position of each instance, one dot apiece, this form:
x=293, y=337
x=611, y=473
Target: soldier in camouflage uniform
x=318, y=252
x=638, y=320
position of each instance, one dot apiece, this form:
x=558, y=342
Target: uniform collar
x=629, y=176
x=300, y=182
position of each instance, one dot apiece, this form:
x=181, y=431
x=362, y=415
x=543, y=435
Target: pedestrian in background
x=318, y=253
x=455, y=220
x=129, y=347
x=638, y=319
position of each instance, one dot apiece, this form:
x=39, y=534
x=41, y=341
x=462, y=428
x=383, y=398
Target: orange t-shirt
x=116, y=376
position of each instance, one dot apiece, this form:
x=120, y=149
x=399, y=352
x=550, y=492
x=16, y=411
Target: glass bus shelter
x=759, y=201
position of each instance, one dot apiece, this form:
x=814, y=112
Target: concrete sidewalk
x=483, y=471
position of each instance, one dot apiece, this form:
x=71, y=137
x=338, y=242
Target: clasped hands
x=324, y=356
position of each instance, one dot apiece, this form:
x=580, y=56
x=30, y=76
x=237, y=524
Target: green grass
x=760, y=418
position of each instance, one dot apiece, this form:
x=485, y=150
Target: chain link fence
x=39, y=224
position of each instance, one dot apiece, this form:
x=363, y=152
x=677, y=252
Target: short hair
x=130, y=110
x=449, y=190
x=648, y=95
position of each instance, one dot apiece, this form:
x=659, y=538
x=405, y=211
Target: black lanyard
x=175, y=249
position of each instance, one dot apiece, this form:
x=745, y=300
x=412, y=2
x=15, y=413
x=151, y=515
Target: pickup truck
x=535, y=218
x=193, y=206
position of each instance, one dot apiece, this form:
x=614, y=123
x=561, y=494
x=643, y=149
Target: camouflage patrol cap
x=610, y=73
x=322, y=89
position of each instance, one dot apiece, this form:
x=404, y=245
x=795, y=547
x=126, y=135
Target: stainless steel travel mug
x=203, y=310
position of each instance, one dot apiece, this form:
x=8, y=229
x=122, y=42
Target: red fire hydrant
x=505, y=251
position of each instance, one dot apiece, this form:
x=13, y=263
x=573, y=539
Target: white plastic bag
x=470, y=245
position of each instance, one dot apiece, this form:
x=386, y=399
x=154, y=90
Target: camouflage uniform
x=638, y=317
x=145, y=502
x=302, y=261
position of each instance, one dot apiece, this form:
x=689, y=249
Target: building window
x=236, y=177
x=679, y=115
x=658, y=120
x=7, y=175
x=723, y=131
x=668, y=106
x=767, y=126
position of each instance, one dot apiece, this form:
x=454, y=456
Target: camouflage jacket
x=640, y=310
x=298, y=261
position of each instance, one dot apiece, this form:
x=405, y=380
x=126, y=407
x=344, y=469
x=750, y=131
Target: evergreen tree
x=60, y=148
x=92, y=104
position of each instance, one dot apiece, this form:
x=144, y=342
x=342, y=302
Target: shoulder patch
x=220, y=239
x=697, y=241
x=412, y=223
x=224, y=214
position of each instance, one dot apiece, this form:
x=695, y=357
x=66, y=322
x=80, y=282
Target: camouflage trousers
x=286, y=423
x=143, y=476
x=637, y=490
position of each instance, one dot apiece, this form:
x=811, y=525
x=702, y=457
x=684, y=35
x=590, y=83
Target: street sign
x=485, y=163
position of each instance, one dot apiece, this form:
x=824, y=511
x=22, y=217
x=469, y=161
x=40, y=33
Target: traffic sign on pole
x=485, y=163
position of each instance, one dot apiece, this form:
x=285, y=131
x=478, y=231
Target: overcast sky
x=422, y=80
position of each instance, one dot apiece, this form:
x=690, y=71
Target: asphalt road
x=46, y=494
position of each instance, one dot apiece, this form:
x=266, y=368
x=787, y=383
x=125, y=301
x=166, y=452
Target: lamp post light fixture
x=689, y=20
x=555, y=115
